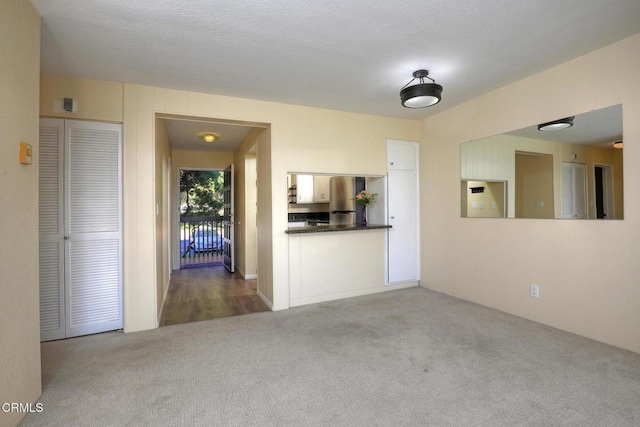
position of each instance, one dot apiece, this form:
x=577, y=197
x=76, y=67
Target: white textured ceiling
x=348, y=55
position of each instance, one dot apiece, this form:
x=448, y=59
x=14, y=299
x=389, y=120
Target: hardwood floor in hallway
x=208, y=293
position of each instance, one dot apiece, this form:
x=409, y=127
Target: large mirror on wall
x=569, y=168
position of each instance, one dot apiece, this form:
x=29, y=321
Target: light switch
x=25, y=153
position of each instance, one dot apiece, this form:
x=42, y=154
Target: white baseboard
x=245, y=276
x=264, y=299
x=409, y=283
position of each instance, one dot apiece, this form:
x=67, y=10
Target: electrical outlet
x=535, y=291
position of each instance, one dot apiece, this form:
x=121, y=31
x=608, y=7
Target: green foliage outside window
x=201, y=193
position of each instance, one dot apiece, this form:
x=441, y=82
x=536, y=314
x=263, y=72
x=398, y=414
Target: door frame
x=228, y=220
x=607, y=190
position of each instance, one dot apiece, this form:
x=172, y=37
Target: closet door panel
x=51, y=229
x=94, y=287
x=403, y=217
x=93, y=179
x=93, y=223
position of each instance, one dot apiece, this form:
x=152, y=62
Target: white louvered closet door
x=574, y=190
x=80, y=228
x=93, y=225
x=52, y=322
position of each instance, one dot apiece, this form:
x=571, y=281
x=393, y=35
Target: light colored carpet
x=409, y=357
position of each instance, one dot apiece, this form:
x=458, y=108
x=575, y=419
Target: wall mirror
x=571, y=173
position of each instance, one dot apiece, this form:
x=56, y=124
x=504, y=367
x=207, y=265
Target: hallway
x=208, y=293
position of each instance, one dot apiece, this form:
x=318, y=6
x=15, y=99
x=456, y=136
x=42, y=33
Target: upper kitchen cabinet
x=304, y=188
x=308, y=189
x=401, y=155
x=321, y=188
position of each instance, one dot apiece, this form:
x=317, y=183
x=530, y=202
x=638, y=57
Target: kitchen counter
x=333, y=228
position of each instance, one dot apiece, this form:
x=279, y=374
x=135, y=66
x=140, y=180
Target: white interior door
x=402, y=202
x=80, y=228
x=51, y=250
x=403, y=217
x=93, y=227
x=228, y=222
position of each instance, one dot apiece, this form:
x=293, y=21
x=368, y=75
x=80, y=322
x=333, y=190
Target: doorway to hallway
x=227, y=233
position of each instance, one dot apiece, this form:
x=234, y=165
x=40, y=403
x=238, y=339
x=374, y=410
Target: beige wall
x=618, y=182
x=163, y=173
x=97, y=100
x=19, y=291
x=139, y=212
x=264, y=220
x=250, y=247
x=583, y=288
x=246, y=246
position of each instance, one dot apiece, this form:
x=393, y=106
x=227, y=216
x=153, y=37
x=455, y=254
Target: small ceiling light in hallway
x=209, y=136
x=421, y=94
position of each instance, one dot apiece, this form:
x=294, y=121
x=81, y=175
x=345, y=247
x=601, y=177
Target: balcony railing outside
x=201, y=240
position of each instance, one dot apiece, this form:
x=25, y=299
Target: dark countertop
x=333, y=228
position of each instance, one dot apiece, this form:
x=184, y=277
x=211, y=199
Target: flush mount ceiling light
x=209, y=136
x=618, y=144
x=421, y=94
x=567, y=122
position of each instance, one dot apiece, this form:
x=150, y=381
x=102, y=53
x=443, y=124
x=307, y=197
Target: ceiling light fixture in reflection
x=567, y=122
